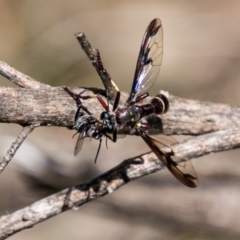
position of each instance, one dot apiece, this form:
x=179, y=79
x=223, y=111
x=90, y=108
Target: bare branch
x=23, y=81
x=45, y=107
x=15, y=145
x=191, y=117
x=110, y=181
x=19, y=78
x=94, y=57
x=86, y=46
x=54, y=107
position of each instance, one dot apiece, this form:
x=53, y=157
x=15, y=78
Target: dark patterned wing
x=183, y=171
x=149, y=60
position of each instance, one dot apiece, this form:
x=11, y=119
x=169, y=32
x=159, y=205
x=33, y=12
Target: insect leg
x=74, y=95
x=99, y=146
x=103, y=103
x=141, y=97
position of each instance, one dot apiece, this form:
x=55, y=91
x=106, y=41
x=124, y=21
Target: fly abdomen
x=128, y=115
x=160, y=103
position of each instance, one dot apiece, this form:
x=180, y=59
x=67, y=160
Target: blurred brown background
x=201, y=61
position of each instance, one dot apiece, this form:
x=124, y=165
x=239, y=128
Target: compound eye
x=104, y=115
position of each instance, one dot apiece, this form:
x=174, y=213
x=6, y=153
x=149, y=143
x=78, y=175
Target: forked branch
x=23, y=81
x=15, y=145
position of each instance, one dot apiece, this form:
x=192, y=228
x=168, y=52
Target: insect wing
x=149, y=60
x=183, y=171
x=79, y=143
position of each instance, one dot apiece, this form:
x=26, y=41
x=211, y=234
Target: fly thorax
x=128, y=115
x=81, y=121
x=95, y=131
x=85, y=122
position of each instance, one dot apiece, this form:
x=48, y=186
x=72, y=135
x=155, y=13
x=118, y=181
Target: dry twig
x=19, y=78
x=15, y=145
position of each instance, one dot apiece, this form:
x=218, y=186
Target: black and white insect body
x=89, y=126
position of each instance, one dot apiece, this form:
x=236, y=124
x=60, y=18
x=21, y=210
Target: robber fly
x=129, y=116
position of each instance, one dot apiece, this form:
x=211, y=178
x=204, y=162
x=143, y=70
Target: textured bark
x=45, y=107
x=193, y=117
x=54, y=107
